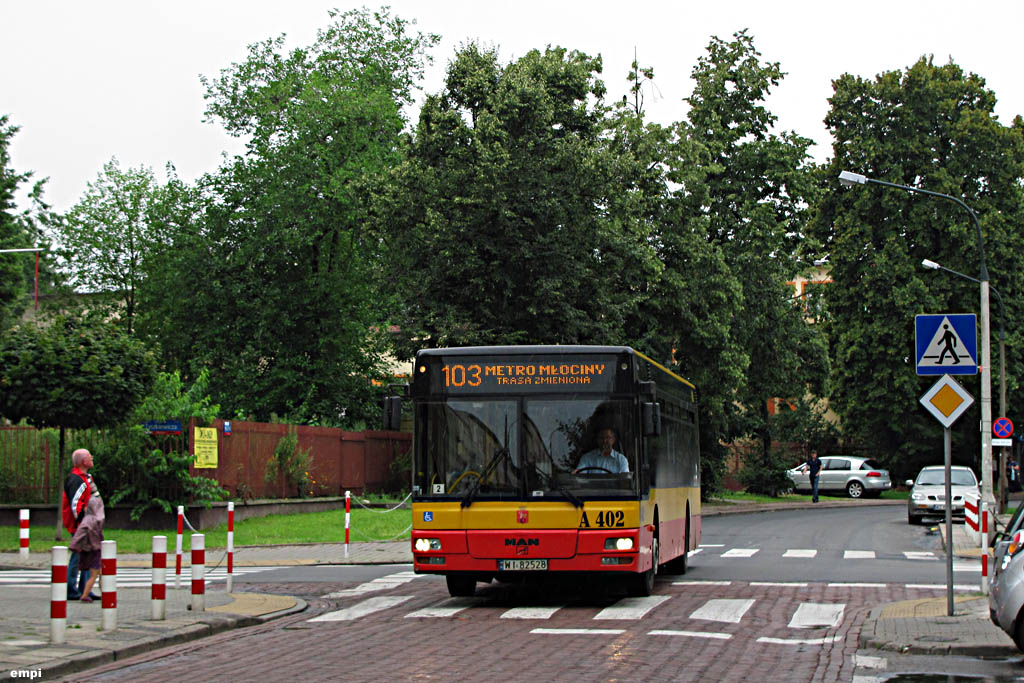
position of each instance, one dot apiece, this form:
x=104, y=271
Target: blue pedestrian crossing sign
x=946, y=343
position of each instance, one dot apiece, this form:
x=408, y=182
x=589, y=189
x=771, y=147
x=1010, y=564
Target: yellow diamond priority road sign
x=947, y=400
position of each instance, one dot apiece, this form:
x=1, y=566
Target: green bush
x=291, y=464
x=766, y=474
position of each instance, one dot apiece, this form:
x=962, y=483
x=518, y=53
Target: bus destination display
x=466, y=375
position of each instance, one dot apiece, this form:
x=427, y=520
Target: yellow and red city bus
x=499, y=489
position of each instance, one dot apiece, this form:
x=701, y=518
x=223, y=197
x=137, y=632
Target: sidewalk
x=25, y=620
x=923, y=626
x=916, y=626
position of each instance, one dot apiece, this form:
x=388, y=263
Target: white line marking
x=729, y=611
x=801, y=641
x=379, y=584
x=447, y=608
x=368, y=606
x=711, y=545
x=868, y=662
x=942, y=586
x=796, y=552
x=579, y=631
x=740, y=552
x=857, y=585
x=967, y=566
x=631, y=608
x=530, y=612
x=782, y=584
x=692, y=634
x=919, y=555
x=816, y=615
x=859, y=555
x=693, y=552
x=702, y=583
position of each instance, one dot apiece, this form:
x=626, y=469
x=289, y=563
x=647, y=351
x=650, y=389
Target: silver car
x=857, y=476
x=1006, y=591
x=928, y=495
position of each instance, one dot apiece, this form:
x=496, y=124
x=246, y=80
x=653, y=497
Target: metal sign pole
x=947, y=445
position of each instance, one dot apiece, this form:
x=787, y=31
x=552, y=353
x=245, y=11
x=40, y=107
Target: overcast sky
x=87, y=81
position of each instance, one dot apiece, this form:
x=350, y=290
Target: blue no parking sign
x=946, y=344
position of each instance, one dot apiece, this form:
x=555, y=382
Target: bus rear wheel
x=460, y=585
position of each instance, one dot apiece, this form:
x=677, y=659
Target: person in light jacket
x=87, y=542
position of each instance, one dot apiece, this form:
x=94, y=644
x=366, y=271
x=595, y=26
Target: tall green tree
x=505, y=222
x=733, y=223
x=279, y=270
x=72, y=373
x=933, y=127
x=106, y=236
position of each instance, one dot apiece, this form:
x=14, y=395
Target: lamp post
x=850, y=179
x=932, y=265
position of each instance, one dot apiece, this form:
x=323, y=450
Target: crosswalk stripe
x=368, y=606
x=919, y=555
x=816, y=615
x=859, y=555
x=631, y=608
x=800, y=553
x=967, y=566
x=726, y=610
x=740, y=552
x=448, y=608
x=702, y=583
x=530, y=612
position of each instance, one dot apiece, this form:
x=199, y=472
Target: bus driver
x=604, y=457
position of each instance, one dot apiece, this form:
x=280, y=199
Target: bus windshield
x=526, y=448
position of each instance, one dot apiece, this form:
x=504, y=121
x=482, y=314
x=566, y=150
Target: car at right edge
x=928, y=492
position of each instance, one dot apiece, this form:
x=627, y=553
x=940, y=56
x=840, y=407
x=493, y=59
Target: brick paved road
x=734, y=632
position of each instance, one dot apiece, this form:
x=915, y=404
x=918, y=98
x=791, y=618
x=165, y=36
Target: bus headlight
x=426, y=544
x=624, y=543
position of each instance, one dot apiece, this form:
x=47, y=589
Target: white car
x=928, y=495
x=857, y=476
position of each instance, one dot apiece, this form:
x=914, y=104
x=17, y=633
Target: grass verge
x=309, y=527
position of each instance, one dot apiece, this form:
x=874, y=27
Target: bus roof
x=521, y=350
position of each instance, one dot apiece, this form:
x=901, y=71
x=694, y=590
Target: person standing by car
x=813, y=471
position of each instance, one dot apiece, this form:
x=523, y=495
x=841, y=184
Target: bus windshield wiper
x=467, y=500
x=569, y=495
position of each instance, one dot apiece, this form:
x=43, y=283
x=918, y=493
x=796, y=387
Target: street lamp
x=850, y=179
x=932, y=265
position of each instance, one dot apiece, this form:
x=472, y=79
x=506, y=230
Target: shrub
x=290, y=464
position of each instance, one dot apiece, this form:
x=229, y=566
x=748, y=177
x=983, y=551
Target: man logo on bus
x=522, y=516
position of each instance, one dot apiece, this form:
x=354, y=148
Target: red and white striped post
x=231, y=547
x=177, y=547
x=158, y=590
x=23, y=533
x=198, y=573
x=58, y=593
x=108, y=583
x=984, y=547
x=348, y=518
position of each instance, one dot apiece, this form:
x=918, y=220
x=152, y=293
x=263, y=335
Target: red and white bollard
x=158, y=590
x=177, y=547
x=23, y=533
x=984, y=547
x=231, y=547
x=984, y=571
x=348, y=517
x=108, y=583
x=198, y=573
x=58, y=594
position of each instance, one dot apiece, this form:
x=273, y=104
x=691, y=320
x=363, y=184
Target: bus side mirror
x=652, y=419
x=393, y=413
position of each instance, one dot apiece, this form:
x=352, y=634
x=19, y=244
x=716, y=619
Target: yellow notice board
x=205, y=441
